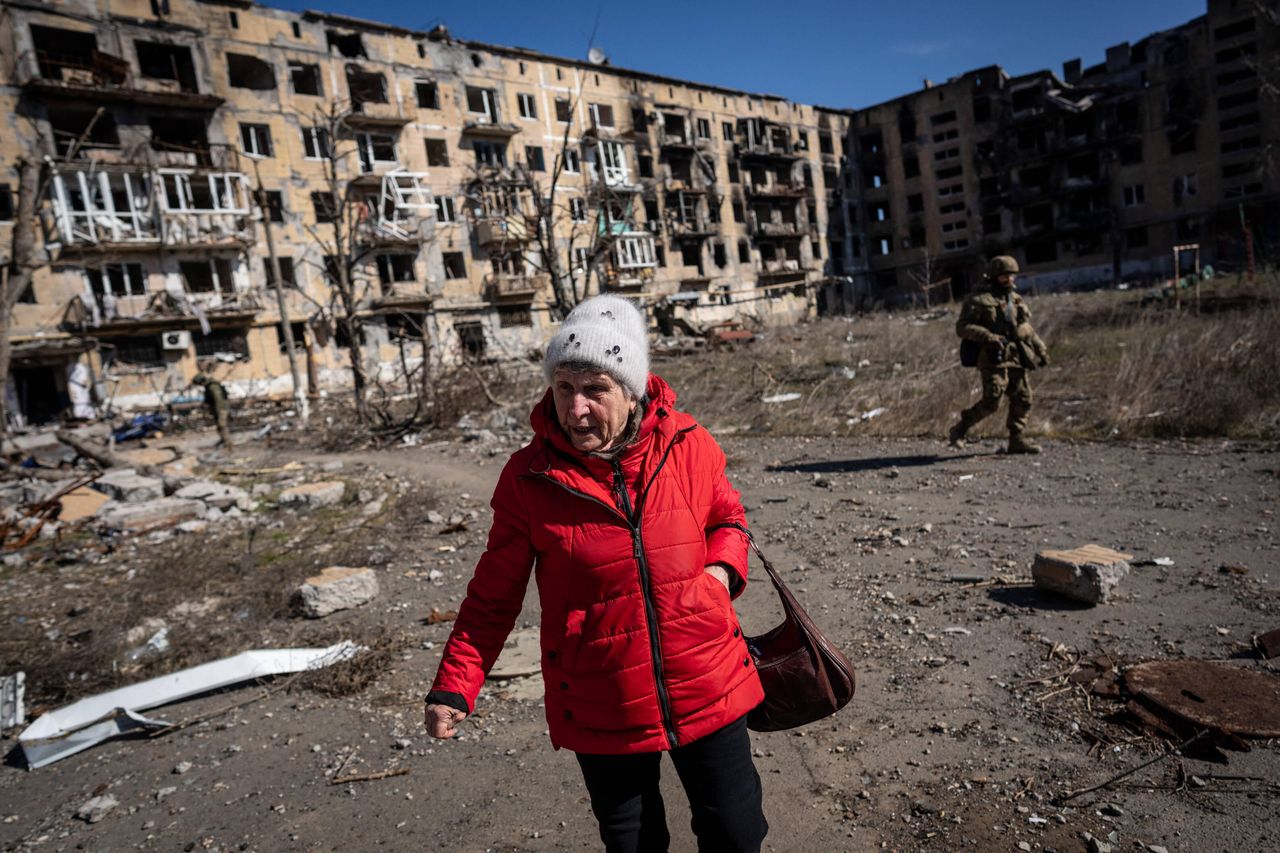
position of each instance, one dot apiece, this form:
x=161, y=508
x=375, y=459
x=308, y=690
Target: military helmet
x=200, y=379
x=1001, y=265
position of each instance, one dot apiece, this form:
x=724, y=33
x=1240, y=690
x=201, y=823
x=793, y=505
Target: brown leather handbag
x=805, y=677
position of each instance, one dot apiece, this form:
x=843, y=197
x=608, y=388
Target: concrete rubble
x=1087, y=574
x=129, y=486
x=336, y=588
x=313, y=495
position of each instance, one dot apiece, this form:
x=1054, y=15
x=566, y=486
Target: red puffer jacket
x=641, y=649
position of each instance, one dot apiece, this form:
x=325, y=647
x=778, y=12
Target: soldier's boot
x=1018, y=444
x=955, y=437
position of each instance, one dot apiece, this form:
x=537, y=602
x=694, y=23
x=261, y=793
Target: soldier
x=215, y=397
x=998, y=322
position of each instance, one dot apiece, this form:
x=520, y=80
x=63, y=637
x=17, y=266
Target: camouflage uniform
x=215, y=397
x=998, y=320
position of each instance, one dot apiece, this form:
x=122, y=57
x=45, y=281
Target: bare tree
x=925, y=277
x=17, y=276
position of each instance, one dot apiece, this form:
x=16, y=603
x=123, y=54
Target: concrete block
x=130, y=487
x=312, y=495
x=214, y=494
x=1087, y=574
x=135, y=516
x=336, y=588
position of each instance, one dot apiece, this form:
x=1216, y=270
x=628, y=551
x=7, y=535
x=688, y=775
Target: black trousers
x=718, y=776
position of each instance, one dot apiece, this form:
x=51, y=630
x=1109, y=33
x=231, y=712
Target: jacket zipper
x=642, y=565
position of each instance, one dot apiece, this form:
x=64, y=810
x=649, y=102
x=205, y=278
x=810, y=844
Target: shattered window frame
x=306, y=73
x=255, y=139
x=315, y=143
x=528, y=106
x=119, y=280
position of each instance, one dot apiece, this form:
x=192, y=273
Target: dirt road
x=959, y=736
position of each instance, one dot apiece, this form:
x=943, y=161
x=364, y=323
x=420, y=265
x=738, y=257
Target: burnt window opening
x=645, y=165
x=989, y=187
x=943, y=117
x=739, y=213
x=76, y=129
x=911, y=166
x=981, y=109
x=394, y=268
x=159, y=61
x=915, y=203
x=6, y=203
x=1025, y=99
x=1232, y=54
x=564, y=110
x=490, y=153
x=880, y=211
x=735, y=175
x=1238, y=75
x=233, y=341
x=179, y=134
x=1235, y=28
x=691, y=254
x=744, y=252
x=349, y=45
x=872, y=143
x=60, y=51
x=1232, y=170
x=207, y=276
x=1182, y=140
x=288, y=274
x=484, y=102
x=437, y=152
x=830, y=178
x=315, y=143
x=1083, y=167
x=1239, y=99
x=273, y=205
x=299, y=330
x=305, y=79
x=250, y=72
x=455, y=265
x=601, y=115
x=651, y=212
x=515, y=315
x=719, y=256
x=471, y=338
x=376, y=150
x=1034, y=177
x=297, y=29
x=234, y=20
x=366, y=87
x=428, y=94
x=534, y=157
x=407, y=326
x=325, y=205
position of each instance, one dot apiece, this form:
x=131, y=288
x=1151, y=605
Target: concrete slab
x=1087, y=574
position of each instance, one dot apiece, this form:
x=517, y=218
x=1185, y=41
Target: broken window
x=673, y=127
x=1236, y=28
x=981, y=109
x=744, y=252
x=180, y=134
x=445, y=212
x=490, y=153
x=325, y=205
x=528, y=106
x=1184, y=186
x=611, y=160
x=428, y=94
x=651, y=213
x=564, y=110
x=299, y=330
x=950, y=172
x=942, y=118
x=219, y=192
x=639, y=120
x=1134, y=195
x=880, y=211
x=218, y=341
x=395, y=267
x=167, y=62
x=718, y=255
x=139, y=351
x=366, y=87
x=959, y=225
x=116, y=281
x=255, y=139
x=406, y=325
x=577, y=210
x=1038, y=216
x=483, y=102
x=644, y=163
x=437, y=152
x=739, y=213
x=63, y=54
x=305, y=78
x=77, y=129
x=826, y=146
x=287, y=274
x=572, y=161
x=802, y=140
x=249, y=72
x=703, y=128
x=349, y=45
x=212, y=275
x=906, y=126
x=726, y=131
x=947, y=135
x=953, y=207
x=915, y=203
x=6, y=203
x=691, y=254
x=601, y=115
x=455, y=265
x=377, y=150
x=533, y=156
x=274, y=204
x=734, y=175
x=946, y=154
x=520, y=314
x=315, y=143
x=471, y=338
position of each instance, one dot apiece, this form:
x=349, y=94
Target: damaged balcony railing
x=99, y=207
x=515, y=285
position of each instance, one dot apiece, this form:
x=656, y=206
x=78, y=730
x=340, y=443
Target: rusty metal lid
x=1231, y=699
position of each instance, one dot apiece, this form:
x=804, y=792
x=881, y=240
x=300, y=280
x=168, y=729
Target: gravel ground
x=961, y=734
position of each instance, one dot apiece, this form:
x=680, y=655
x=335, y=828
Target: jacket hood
x=660, y=401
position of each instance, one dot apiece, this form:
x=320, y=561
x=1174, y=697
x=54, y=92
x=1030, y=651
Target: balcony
x=489, y=128
x=764, y=149
x=795, y=189
x=403, y=213
x=514, y=287
x=501, y=230
x=100, y=211
x=371, y=115
x=695, y=229
x=777, y=230
x=682, y=185
x=401, y=294
x=102, y=78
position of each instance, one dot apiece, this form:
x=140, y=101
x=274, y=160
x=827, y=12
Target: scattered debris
x=1164, y=562
x=312, y=495
x=161, y=512
x=1087, y=574
x=780, y=398
x=1268, y=644
x=97, y=808
x=336, y=588
x=128, y=486
x=13, y=690
x=1226, y=699
x=80, y=725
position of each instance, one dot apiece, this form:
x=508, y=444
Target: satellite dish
x=596, y=56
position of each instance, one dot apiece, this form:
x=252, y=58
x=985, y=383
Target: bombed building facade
x=426, y=197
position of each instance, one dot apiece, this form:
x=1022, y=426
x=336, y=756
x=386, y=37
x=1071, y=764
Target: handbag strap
x=768, y=566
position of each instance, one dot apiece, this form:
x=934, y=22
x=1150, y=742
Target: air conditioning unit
x=176, y=340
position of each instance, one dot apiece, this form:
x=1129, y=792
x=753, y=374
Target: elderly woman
x=621, y=506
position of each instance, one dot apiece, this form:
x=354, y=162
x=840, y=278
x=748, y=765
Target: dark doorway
x=41, y=395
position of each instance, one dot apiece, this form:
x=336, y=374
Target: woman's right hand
x=442, y=721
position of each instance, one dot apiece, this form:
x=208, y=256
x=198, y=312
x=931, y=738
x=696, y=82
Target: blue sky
x=839, y=54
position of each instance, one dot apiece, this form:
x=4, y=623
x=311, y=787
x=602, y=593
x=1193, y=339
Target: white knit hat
x=608, y=332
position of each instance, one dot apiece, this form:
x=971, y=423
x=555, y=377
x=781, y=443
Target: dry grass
x=1126, y=364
